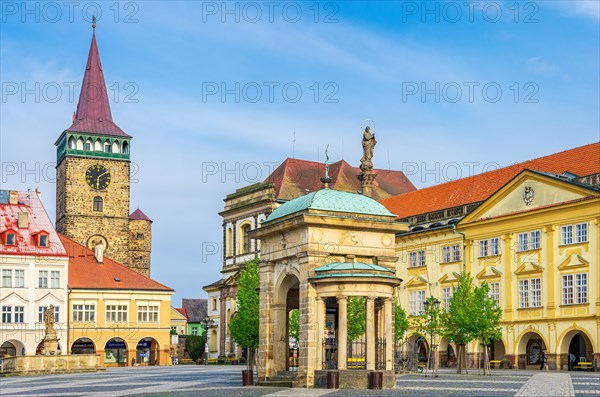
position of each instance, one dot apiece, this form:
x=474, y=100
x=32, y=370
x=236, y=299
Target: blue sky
x=479, y=84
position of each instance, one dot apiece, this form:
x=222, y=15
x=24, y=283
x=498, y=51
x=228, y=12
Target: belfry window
x=98, y=204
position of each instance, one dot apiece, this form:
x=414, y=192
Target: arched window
x=71, y=143
x=80, y=144
x=116, y=147
x=125, y=147
x=88, y=145
x=107, y=146
x=98, y=145
x=245, y=242
x=98, y=204
x=229, y=247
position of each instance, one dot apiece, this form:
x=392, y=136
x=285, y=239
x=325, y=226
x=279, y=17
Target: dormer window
x=9, y=237
x=41, y=238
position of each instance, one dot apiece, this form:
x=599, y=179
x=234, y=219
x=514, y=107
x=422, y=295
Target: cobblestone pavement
x=224, y=381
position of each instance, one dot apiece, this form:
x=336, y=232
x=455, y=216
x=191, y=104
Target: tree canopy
x=194, y=345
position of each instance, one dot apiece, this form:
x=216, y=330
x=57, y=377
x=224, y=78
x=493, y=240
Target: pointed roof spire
x=93, y=109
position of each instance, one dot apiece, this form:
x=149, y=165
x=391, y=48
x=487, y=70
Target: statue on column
x=50, y=339
x=368, y=144
x=367, y=176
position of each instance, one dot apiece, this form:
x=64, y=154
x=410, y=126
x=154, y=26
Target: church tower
x=93, y=176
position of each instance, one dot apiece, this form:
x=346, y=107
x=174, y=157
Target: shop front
x=115, y=352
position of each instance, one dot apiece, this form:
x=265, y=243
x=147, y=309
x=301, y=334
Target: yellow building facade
x=116, y=312
x=536, y=241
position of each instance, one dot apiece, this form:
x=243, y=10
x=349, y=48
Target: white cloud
x=540, y=65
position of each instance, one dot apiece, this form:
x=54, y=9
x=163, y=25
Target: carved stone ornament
x=528, y=195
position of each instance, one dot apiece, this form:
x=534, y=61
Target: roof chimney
x=23, y=220
x=13, y=197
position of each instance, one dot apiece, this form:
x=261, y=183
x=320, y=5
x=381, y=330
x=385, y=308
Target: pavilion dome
x=333, y=201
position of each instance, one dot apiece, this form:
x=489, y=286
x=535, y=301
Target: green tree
x=357, y=317
x=194, y=345
x=460, y=322
x=294, y=325
x=244, y=325
x=428, y=324
x=400, y=322
x=488, y=327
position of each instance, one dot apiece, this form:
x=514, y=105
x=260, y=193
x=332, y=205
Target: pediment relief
x=573, y=261
x=49, y=297
x=14, y=297
x=529, y=267
x=416, y=281
x=449, y=278
x=489, y=272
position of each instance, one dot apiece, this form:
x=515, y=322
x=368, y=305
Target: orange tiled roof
x=294, y=177
x=581, y=161
x=86, y=273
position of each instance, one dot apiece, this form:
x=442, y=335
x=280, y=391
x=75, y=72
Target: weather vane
x=326, y=179
x=94, y=22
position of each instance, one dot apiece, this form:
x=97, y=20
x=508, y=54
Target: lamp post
x=207, y=323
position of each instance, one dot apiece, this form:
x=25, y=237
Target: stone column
x=371, y=333
x=342, y=339
x=388, y=314
x=320, y=325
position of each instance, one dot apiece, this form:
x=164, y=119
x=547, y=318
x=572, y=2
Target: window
x=417, y=302
x=116, y=313
x=88, y=146
x=417, y=258
x=530, y=293
x=107, y=148
x=98, y=204
x=214, y=304
x=140, y=236
x=43, y=240
x=43, y=279
x=445, y=254
x=84, y=312
x=19, y=314
x=54, y=279
x=523, y=293
x=567, y=289
x=495, y=292
x=19, y=278
x=421, y=301
x=6, y=278
x=245, y=239
x=575, y=287
x=42, y=311
x=10, y=239
x=446, y=295
x=7, y=314
x=148, y=314
x=412, y=303
x=581, y=233
x=529, y=241
x=489, y=247
x=455, y=253
x=536, y=292
x=581, y=285
x=195, y=331
x=567, y=237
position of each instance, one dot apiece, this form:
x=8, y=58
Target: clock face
x=97, y=177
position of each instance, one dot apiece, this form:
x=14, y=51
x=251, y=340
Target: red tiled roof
x=39, y=220
x=183, y=311
x=581, y=161
x=86, y=273
x=93, y=110
x=138, y=215
x=294, y=177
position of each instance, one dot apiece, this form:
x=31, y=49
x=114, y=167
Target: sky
x=215, y=94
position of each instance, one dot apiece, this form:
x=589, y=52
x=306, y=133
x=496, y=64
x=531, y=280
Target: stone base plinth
x=33, y=365
x=355, y=379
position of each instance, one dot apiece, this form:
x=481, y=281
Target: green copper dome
x=331, y=200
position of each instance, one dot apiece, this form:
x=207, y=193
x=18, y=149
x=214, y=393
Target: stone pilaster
x=388, y=314
x=370, y=326
x=342, y=339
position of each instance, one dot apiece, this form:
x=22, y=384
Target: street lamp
x=207, y=323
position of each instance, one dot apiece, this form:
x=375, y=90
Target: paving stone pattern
x=224, y=381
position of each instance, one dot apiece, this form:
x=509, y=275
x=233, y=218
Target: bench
x=496, y=363
x=584, y=365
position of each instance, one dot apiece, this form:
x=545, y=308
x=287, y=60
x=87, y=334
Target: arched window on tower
x=71, y=143
x=88, y=145
x=125, y=147
x=98, y=204
x=245, y=242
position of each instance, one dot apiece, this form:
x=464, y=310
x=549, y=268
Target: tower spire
x=93, y=113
